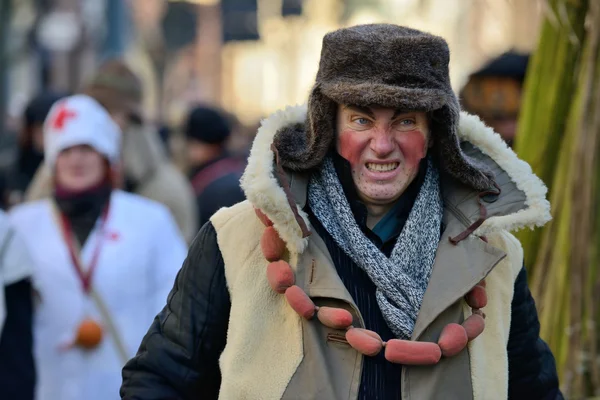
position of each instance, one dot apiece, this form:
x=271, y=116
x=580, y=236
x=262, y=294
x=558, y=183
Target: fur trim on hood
x=263, y=186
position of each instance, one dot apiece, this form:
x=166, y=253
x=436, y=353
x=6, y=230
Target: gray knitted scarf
x=401, y=280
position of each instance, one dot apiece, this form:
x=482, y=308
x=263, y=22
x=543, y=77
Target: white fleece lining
x=487, y=353
x=262, y=188
x=537, y=213
x=264, y=337
x=264, y=192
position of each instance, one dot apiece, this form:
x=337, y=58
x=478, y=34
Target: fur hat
x=80, y=120
x=389, y=66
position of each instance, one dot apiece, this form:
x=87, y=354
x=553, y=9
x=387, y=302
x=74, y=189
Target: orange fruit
x=89, y=334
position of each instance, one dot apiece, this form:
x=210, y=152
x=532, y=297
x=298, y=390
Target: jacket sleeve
x=532, y=369
x=17, y=368
x=178, y=357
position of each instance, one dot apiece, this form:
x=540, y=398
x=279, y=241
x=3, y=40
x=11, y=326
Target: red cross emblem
x=62, y=116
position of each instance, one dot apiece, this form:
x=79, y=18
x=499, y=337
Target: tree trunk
x=559, y=135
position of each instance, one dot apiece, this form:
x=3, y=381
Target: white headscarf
x=80, y=120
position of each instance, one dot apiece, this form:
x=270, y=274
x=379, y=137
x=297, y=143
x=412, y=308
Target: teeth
x=382, y=167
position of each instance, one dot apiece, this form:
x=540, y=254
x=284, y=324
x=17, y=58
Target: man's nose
x=382, y=143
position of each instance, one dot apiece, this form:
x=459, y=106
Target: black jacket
x=178, y=358
x=17, y=369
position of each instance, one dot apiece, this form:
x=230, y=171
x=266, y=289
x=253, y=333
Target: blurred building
x=263, y=70
x=249, y=56
x=55, y=44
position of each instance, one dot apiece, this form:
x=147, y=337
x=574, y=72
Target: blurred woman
x=105, y=259
x=146, y=168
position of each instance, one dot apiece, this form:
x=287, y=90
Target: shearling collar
x=522, y=202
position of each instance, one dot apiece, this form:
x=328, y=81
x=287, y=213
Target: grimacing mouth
x=382, y=167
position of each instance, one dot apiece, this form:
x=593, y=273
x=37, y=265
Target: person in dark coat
x=30, y=148
x=373, y=258
x=494, y=93
x=213, y=171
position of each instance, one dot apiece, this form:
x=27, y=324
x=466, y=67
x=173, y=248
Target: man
x=17, y=368
x=213, y=172
x=388, y=223
x=30, y=148
x=147, y=170
x=494, y=93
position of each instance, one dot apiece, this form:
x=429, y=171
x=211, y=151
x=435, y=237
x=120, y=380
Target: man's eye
x=361, y=121
x=406, y=124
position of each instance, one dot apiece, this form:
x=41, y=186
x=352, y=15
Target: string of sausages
x=453, y=338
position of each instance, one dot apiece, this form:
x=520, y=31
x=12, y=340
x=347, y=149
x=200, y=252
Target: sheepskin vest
x=272, y=353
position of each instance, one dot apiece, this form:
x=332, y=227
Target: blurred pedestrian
x=30, y=152
x=494, y=93
x=146, y=166
x=17, y=369
x=214, y=172
x=105, y=259
x=164, y=133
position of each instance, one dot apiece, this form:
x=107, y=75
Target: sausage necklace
x=453, y=338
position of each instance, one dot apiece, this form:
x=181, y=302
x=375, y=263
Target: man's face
x=79, y=168
x=384, y=147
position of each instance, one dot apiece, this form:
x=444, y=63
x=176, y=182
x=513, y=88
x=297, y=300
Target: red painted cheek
x=350, y=147
x=412, y=145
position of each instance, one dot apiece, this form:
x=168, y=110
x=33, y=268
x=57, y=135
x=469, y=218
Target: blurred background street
x=193, y=80
x=249, y=57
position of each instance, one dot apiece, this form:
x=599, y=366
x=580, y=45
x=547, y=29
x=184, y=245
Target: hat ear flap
x=303, y=146
x=447, y=149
